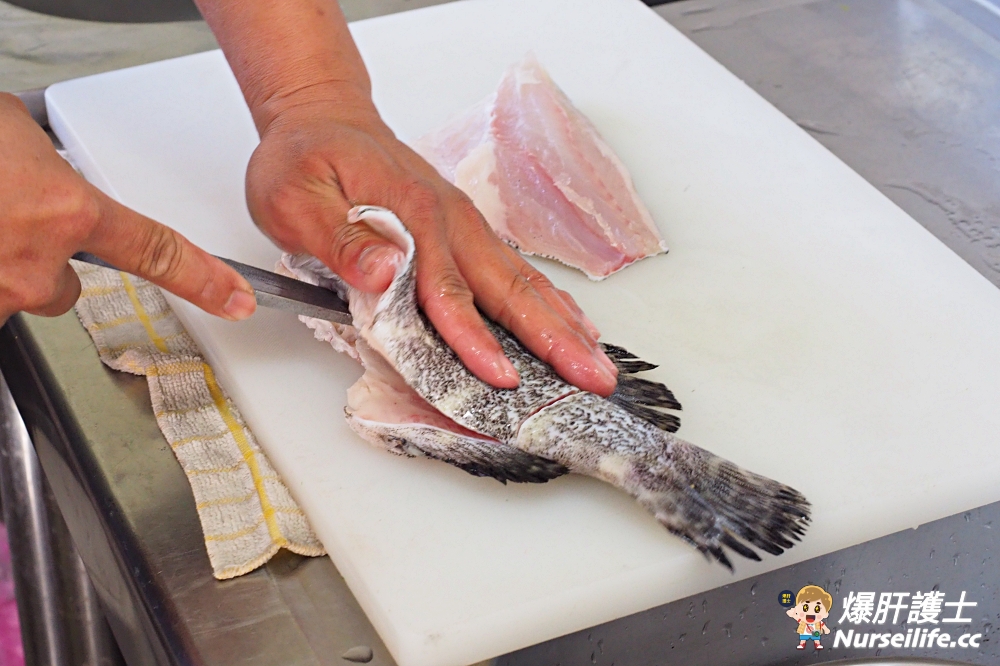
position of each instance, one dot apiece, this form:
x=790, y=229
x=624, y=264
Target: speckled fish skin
x=547, y=427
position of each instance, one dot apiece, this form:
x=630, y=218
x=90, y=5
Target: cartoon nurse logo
x=812, y=607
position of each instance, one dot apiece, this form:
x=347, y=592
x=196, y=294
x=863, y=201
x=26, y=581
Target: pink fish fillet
x=543, y=177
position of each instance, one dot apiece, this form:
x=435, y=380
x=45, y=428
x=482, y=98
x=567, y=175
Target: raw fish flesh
x=416, y=398
x=543, y=177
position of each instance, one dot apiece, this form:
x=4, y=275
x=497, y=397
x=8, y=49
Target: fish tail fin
x=715, y=505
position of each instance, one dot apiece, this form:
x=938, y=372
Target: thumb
x=141, y=246
x=357, y=253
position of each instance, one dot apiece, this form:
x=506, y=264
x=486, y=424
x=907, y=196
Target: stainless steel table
x=905, y=91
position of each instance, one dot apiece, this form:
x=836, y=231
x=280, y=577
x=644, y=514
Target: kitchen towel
x=246, y=512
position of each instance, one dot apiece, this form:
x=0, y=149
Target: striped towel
x=246, y=511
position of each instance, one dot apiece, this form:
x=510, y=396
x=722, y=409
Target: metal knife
x=275, y=291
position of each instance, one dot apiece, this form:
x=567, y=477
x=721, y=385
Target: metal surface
x=275, y=291
x=91, y=640
x=61, y=619
x=906, y=92
x=32, y=559
x=131, y=514
x=117, y=11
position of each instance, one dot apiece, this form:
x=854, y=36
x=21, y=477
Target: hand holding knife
x=275, y=291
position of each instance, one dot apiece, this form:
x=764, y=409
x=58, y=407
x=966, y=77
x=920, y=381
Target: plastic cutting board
x=813, y=331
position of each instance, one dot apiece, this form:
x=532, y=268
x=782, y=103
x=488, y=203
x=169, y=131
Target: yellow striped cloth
x=246, y=511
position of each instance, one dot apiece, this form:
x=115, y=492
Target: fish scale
x=545, y=427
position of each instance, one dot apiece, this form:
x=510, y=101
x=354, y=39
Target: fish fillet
x=543, y=177
x=416, y=398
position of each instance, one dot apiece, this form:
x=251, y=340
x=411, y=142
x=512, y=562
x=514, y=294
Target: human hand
x=323, y=150
x=48, y=212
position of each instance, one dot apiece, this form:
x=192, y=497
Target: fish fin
x=478, y=456
x=706, y=500
x=641, y=397
x=711, y=502
x=616, y=353
x=494, y=459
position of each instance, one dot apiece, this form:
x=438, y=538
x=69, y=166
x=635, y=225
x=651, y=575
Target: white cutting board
x=813, y=331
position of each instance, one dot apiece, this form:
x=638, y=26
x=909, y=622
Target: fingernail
x=505, y=369
x=240, y=305
x=374, y=257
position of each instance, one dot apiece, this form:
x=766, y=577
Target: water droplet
x=836, y=586
x=690, y=612
x=682, y=637
x=728, y=629
x=704, y=627
x=937, y=586
x=593, y=657
x=743, y=611
x=932, y=553
x=878, y=653
x=704, y=605
x=968, y=517
x=989, y=525
x=763, y=641
x=600, y=646
x=954, y=560
x=753, y=589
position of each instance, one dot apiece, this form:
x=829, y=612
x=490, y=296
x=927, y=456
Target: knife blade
x=274, y=291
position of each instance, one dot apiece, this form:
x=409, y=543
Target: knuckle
x=281, y=200
x=419, y=196
x=74, y=206
x=161, y=255
x=513, y=303
x=36, y=295
x=347, y=242
x=449, y=292
x=464, y=206
x=538, y=280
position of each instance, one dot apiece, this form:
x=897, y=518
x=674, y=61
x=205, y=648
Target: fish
x=417, y=399
x=543, y=177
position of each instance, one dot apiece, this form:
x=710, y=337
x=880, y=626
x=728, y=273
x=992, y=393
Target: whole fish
x=416, y=398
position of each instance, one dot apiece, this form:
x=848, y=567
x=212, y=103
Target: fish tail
x=706, y=500
x=716, y=505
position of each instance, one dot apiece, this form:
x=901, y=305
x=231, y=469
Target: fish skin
x=546, y=427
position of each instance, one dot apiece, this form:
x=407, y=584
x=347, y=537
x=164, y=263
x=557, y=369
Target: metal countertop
x=904, y=91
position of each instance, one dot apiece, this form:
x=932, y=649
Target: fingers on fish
x=713, y=504
x=642, y=397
